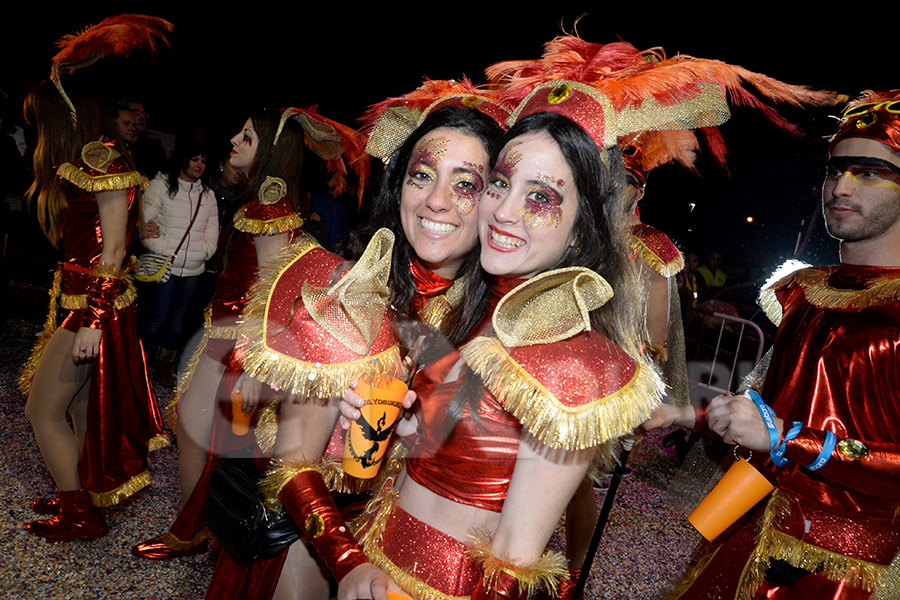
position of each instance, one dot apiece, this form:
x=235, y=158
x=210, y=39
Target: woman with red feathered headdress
x=89, y=366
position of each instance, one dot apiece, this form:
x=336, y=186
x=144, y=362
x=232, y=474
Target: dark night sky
x=227, y=60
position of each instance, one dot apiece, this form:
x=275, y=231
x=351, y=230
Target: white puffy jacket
x=173, y=214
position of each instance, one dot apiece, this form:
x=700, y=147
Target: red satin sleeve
x=878, y=470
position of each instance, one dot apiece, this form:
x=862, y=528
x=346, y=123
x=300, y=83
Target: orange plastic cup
x=740, y=488
x=398, y=596
x=368, y=436
x=240, y=421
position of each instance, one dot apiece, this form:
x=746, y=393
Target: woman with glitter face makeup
x=509, y=423
x=428, y=199
x=269, y=149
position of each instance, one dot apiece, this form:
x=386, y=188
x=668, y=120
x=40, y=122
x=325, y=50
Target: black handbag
x=237, y=517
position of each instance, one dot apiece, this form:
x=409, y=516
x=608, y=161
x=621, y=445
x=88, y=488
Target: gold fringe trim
x=225, y=332
x=772, y=543
x=277, y=477
x=547, y=571
x=604, y=459
x=99, y=183
x=437, y=309
x=79, y=301
x=157, y=442
x=26, y=375
x=106, y=270
x=268, y=227
x=185, y=380
x=130, y=487
x=306, y=379
x=174, y=543
x=549, y=420
x=68, y=302
x=889, y=586
x=879, y=292
x=266, y=430
x=653, y=260
x=377, y=513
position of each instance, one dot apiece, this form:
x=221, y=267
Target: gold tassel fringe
x=547, y=571
x=26, y=375
x=889, y=586
x=99, y=183
x=772, y=543
x=129, y=488
x=157, y=442
x=545, y=417
x=277, y=477
x=185, y=380
x=879, y=292
x=653, y=260
x=268, y=227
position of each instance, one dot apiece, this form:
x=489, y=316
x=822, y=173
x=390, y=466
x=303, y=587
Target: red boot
x=78, y=519
x=46, y=506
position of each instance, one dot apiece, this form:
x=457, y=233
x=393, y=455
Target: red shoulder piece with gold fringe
x=656, y=250
x=567, y=384
x=100, y=168
x=310, y=336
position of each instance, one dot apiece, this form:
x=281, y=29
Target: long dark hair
x=284, y=160
x=179, y=161
x=601, y=242
x=385, y=212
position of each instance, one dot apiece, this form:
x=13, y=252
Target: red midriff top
x=472, y=464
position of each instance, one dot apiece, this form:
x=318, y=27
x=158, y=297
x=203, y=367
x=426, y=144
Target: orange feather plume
x=628, y=76
x=119, y=35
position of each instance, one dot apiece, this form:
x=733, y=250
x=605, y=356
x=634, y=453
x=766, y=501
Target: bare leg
x=581, y=516
x=195, y=419
x=302, y=577
x=57, y=381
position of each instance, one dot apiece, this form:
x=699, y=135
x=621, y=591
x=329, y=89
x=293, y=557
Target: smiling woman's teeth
x=505, y=241
x=434, y=227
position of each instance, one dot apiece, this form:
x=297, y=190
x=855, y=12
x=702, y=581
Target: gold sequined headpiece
x=875, y=116
x=390, y=122
x=336, y=144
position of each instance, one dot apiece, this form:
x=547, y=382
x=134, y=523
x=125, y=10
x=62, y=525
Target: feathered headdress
x=391, y=121
x=336, y=144
x=117, y=36
x=630, y=78
x=874, y=115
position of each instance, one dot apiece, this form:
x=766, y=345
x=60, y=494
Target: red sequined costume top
x=570, y=389
x=835, y=367
x=123, y=419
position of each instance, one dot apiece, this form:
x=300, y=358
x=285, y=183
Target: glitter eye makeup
x=506, y=166
x=542, y=206
x=423, y=166
x=466, y=188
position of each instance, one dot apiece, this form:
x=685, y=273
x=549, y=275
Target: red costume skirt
x=124, y=422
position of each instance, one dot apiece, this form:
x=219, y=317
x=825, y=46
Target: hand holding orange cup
x=240, y=421
x=740, y=488
x=367, y=439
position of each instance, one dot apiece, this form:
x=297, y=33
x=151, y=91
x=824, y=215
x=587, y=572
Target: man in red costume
x=831, y=397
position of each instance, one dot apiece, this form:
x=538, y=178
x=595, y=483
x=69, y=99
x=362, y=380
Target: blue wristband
x=768, y=417
x=825, y=454
x=778, y=453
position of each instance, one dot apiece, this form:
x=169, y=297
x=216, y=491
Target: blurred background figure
x=179, y=209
